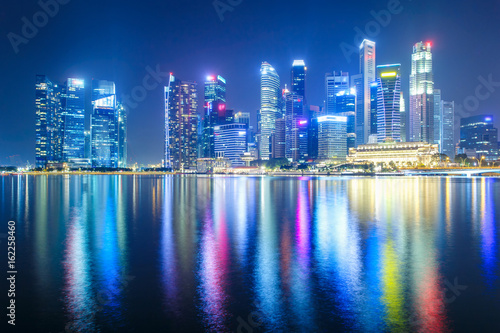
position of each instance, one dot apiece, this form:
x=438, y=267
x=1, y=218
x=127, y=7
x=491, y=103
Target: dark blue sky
x=118, y=40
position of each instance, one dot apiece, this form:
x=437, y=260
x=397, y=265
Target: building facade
x=334, y=83
x=269, y=108
x=367, y=57
x=214, y=114
x=231, y=142
x=332, y=143
x=181, y=124
x=346, y=106
x=299, y=78
x=400, y=153
x=478, y=133
x=388, y=103
x=73, y=120
x=48, y=121
x=421, y=113
x=447, y=145
x=104, y=125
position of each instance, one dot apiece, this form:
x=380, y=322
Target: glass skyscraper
x=357, y=85
x=332, y=144
x=231, y=142
x=403, y=118
x=47, y=110
x=214, y=111
x=388, y=103
x=299, y=78
x=104, y=125
x=269, y=107
x=421, y=114
x=437, y=116
x=334, y=83
x=296, y=125
x=367, y=69
x=73, y=120
x=346, y=106
x=122, y=136
x=478, y=133
x=181, y=125
x=447, y=146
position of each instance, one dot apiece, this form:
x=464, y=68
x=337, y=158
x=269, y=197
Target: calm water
x=244, y=254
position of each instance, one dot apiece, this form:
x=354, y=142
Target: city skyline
x=129, y=71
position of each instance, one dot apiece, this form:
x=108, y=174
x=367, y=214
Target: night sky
x=118, y=40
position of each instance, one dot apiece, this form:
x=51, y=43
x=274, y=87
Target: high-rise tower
x=363, y=107
x=421, y=113
x=388, y=103
x=104, y=125
x=181, y=125
x=269, y=107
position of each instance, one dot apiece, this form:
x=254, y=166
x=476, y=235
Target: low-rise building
x=401, y=153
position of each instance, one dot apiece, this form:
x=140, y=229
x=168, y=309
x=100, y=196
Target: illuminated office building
x=122, y=136
x=181, y=125
x=403, y=119
x=104, y=125
x=47, y=127
x=73, y=120
x=299, y=78
x=421, y=114
x=346, y=106
x=269, y=107
x=335, y=83
x=231, y=142
x=332, y=143
x=296, y=125
x=363, y=108
x=447, y=146
x=437, y=116
x=478, y=133
x=214, y=107
x=388, y=103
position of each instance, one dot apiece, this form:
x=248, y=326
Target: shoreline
x=411, y=173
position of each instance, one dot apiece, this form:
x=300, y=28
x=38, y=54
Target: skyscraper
x=421, y=113
x=368, y=72
x=269, y=107
x=478, y=133
x=437, y=117
x=346, y=107
x=181, y=125
x=403, y=119
x=279, y=139
x=214, y=111
x=334, y=83
x=47, y=110
x=299, y=78
x=231, y=142
x=332, y=144
x=388, y=103
x=73, y=120
x=296, y=125
x=447, y=146
x=357, y=85
x=104, y=125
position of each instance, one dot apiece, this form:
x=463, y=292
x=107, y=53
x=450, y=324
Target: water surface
x=101, y=253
